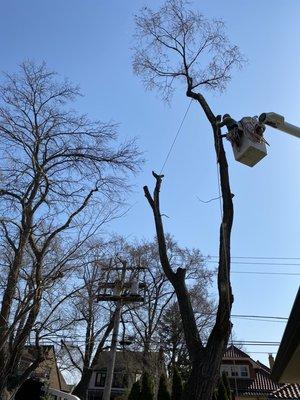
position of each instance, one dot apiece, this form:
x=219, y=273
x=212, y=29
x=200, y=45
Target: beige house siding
x=48, y=370
x=131, y=364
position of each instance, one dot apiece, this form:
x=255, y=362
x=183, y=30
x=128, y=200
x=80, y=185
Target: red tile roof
x=263, y=384
x=288, y=391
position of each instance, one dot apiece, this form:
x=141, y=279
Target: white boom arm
x=277, y=122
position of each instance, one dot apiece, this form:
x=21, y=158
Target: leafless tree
x=159, y=293
x=170, y=331
x=178, y=44
x=61, y=177
x=88, y=323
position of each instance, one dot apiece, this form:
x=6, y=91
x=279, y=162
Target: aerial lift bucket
x=249, y=152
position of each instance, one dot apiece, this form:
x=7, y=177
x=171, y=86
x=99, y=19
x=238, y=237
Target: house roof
x=30, y=352
x=263, y=384
x=287, y=362
x=56, y=378
x=234, y=353
x=287, y=391
x=263, y=366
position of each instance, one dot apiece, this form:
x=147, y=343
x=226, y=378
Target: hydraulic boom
x=277, y=121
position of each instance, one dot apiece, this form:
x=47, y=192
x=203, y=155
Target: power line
x=266, y=318
x=259, y=263
x=256, y=342
x=266, y=273
x=176, y=136
x=259, y=258
x=235, y=342
x=263, y=318
x=261, y=352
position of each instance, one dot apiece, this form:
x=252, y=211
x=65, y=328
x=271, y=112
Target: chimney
x=271, y=360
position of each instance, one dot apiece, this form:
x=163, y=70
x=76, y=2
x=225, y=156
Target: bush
x=227, y=386
x=222, y=392
x=163, y=392
x=135, y=392
x=147, y=392
x=177, y=387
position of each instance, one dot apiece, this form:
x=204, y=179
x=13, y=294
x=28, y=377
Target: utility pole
x=114, y=340
x=119, y=298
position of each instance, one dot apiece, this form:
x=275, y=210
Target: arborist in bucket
x=234, y=132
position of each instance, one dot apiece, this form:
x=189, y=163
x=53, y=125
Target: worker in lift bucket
x=259, y=128
x=234, y=132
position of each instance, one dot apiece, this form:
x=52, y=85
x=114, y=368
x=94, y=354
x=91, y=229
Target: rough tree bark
x=81, y=388
x=177, y=44
x=205, y=359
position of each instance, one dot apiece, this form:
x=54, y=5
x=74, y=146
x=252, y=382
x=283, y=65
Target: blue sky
x=89, y=41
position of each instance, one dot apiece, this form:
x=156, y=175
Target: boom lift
x=248, y=147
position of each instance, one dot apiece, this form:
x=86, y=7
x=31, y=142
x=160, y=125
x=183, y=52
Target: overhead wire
x=235, y=342
x=258, y=263
x=258, y=258
x=266, y=273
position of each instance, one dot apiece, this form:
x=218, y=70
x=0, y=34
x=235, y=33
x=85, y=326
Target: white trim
x=235, y=371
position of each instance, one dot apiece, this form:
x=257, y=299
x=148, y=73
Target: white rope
x=176, y=136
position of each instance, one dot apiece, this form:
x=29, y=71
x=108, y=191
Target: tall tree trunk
x=81, y=389
x=205, y=360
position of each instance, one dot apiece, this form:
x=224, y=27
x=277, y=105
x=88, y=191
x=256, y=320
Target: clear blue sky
x=88, y=41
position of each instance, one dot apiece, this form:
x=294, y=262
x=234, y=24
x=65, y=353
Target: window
x=225, y=368
x=138, y=376
x=100, y=378
x=244, y=370
x=232, y=371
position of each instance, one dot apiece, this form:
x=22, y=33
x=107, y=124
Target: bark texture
x=206, y=359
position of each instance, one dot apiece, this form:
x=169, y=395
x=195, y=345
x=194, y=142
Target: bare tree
x=170, y=331
x=142, y=320
x=61, y=177
x=178, y=44
x=159, y=293
x=92, y=322
x=88, y=323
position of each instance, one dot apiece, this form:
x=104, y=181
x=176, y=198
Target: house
x=287, y=364
x=251, y=379
x=129, y=366
x=47, y=372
